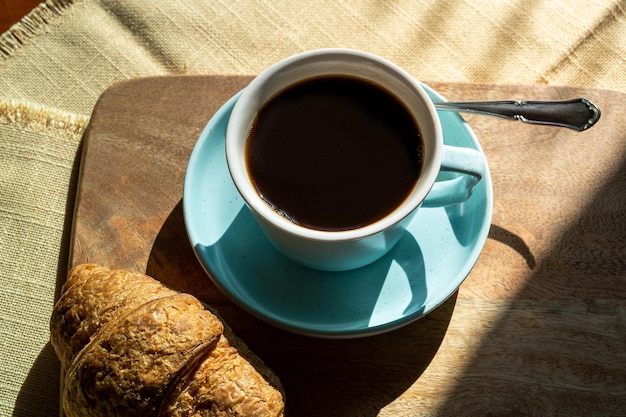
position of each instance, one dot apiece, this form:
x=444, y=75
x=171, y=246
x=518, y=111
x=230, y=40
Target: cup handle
x=468, y=162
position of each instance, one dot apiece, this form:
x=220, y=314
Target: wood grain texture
x=536, y=329
x=559, y=224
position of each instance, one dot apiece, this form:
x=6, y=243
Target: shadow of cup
x=321, y=376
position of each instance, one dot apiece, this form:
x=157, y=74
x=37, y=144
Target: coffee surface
x=334, y=153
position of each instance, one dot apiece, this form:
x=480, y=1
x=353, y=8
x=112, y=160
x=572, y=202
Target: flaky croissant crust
x=132, y=347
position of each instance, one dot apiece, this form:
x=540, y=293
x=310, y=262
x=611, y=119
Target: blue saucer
x=425, y=268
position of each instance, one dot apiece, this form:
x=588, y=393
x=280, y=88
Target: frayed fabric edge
x=38, y=118
x=32, y=24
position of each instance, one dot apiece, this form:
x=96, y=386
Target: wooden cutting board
x=538, y=328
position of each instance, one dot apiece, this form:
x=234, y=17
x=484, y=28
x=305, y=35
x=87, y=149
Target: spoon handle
x=578, y=114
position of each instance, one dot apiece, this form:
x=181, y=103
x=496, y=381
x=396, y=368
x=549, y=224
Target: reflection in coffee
x=334, y=153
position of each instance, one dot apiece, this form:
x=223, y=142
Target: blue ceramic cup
x=349, y=249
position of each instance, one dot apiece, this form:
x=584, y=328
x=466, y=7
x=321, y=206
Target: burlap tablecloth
x=55, y=64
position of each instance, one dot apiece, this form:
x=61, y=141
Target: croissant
x=129, y=346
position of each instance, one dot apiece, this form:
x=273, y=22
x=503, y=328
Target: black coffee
x=334, y=153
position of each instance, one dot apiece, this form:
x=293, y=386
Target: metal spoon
x=578, y=114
